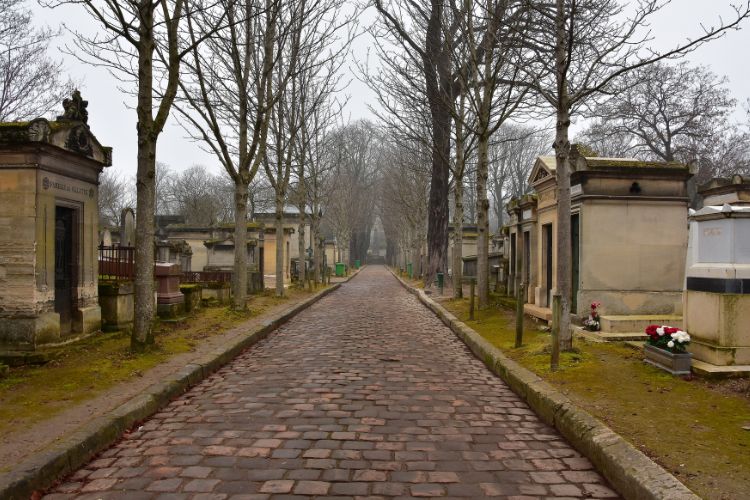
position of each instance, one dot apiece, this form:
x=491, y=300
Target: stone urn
x=674, y=363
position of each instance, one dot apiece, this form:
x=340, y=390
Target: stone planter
x=676, y=364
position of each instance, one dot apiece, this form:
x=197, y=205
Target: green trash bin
x=340, y=269
x=408, y=270
x=356, y=264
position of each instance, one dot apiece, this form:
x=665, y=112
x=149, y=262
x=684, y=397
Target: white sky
x=113, y=122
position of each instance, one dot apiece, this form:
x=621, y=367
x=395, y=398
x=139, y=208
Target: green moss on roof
x=14, y=124
x=626, y=163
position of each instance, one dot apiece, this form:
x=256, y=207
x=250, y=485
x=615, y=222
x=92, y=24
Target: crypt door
x=65, y=267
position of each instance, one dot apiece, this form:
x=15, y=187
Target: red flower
x=651, y=330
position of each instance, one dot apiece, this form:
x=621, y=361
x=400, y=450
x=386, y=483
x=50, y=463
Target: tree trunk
x=239, y=277
x=438, y=81
x=562, y=155
x=143, y=334
x=302, y=261
x=279, y=245
x=316, y=247
x=458, y=237
x=483, y=205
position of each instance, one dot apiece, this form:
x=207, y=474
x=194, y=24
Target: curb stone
x=629, y=471
x=42, y=469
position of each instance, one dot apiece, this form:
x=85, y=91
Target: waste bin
x=408, y=270
x=340, y=269
x=356, y=264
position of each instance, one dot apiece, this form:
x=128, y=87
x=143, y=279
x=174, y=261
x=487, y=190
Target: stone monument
x=49, y=175
x=717, y=286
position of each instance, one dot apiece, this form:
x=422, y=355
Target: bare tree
x=114, y=194
x=31, y=83
x=139, y=42
x=513, y=152
x=350, y=207
x=228, y=97
x=670, y=112
x=403, y=201
x=581, y=47
x=425, y=33
x=491, y=34
x=197, y=195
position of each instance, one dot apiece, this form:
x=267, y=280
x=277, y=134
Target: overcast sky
x=113, y=122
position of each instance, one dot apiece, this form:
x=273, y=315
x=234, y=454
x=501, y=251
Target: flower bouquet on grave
x=668, y=338
x=666, y=349
x=593, y=322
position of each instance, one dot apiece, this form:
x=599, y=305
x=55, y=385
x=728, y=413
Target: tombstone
x=106, y=238
x=49, y=174
x=717, y=286
x=170, y=302
x=127, y=227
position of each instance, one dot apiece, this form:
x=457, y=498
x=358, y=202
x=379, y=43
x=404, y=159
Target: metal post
x=519, y=314
x=472, y=283
x=556, y=315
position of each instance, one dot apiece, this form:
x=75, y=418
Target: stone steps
x=628, y=324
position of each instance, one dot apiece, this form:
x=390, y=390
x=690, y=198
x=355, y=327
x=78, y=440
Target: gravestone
x=106, y=238
x=127, y=227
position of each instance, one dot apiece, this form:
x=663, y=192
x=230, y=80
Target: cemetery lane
x=366, y=393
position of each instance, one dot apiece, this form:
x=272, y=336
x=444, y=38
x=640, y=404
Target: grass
x=692, y=427
x=86, y=369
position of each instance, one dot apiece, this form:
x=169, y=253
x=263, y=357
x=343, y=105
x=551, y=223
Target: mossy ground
x=85, y=369
x=693, y=428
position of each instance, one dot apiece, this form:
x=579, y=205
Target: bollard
x=440, y=282
x=519, y=314
x=556, y=315
x=472, y=284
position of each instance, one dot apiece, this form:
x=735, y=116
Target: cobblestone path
x=365, y=394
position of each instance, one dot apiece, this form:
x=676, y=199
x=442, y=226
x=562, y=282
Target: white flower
x=660, y=331
x=681, y=337
x=670, y=344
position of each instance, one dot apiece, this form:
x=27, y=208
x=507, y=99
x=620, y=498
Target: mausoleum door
x=548, y=263
x=575, y=229
x=65, y=266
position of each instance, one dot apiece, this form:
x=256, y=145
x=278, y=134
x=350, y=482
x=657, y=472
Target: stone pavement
x=365, y=394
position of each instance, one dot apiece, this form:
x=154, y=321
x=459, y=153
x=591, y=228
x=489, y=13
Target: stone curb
x=630, y=472
x=42, y=469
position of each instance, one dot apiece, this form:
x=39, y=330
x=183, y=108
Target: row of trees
x=457, y=72
x=255, y=82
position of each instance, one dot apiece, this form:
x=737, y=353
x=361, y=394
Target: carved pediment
x=543, y=168
x=541, y=174
x=70, y=132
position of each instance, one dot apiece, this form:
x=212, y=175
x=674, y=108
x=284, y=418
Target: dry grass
x=86, y=369
x=692, y=427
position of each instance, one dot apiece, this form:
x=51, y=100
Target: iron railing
x=116, y=263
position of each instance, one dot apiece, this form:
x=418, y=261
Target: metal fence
x=116, y=263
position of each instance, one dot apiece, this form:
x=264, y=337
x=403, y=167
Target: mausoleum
x=629, y=237
x=49, y=174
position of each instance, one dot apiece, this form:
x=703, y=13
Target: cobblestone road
x=365, y=394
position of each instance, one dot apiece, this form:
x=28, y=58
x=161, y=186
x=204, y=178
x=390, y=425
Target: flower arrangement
x=668, y=338
x=592, y=323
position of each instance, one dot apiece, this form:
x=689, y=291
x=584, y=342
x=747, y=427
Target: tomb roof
x=70, y=131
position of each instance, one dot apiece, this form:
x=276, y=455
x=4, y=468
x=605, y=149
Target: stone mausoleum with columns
x=49, y=174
